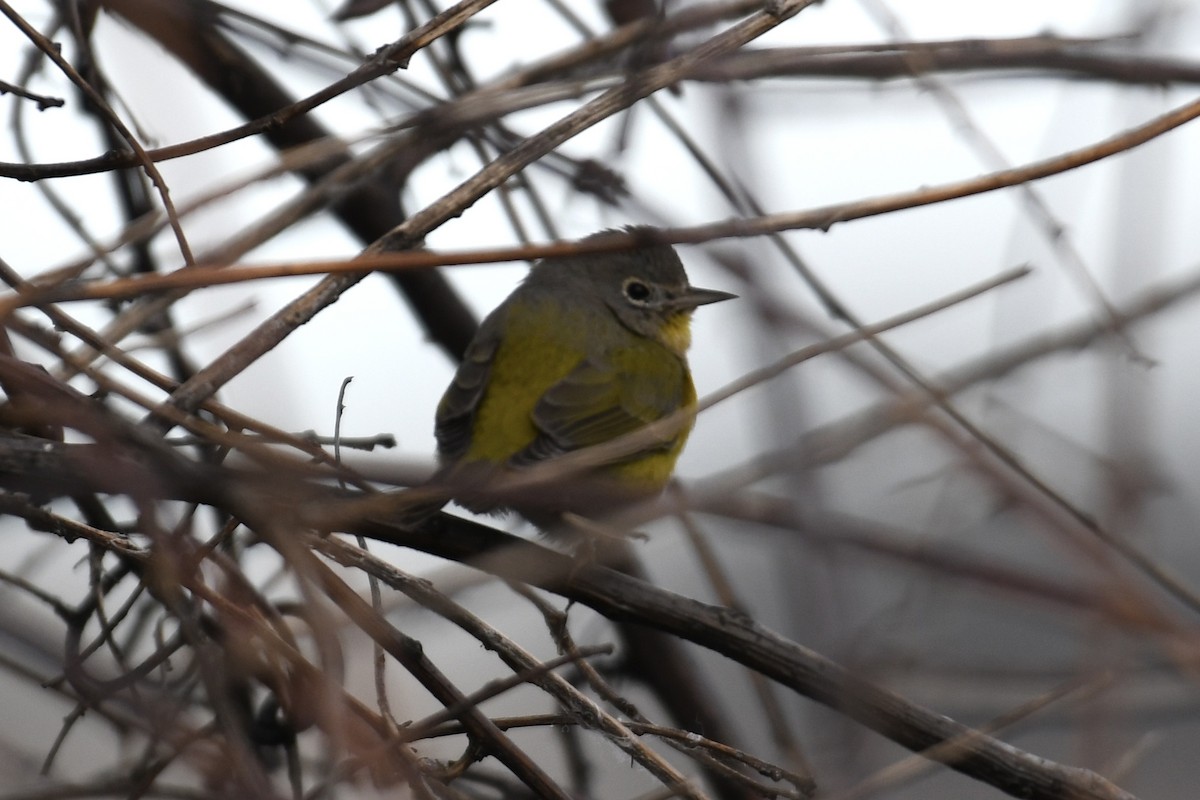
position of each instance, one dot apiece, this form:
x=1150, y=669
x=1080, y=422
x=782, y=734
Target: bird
x=586, y=349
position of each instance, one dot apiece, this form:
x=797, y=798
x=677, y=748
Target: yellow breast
x=542, y=346
x=676, y=332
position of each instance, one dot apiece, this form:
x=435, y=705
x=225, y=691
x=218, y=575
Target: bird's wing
x=456, y=411
x=599, y=401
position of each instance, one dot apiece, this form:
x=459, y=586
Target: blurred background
x=990, y=510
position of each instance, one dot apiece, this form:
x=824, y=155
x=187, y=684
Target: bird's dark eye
x=637, y=291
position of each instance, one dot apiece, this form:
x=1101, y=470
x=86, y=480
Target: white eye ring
x=636, y=291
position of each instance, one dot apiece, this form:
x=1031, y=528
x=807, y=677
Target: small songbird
x=588, y=348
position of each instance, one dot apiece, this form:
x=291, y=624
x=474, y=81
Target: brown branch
x=408, y=652
x=626, y=599
x=821, y=218
x=1048, y=55
x=622, y=598
x=372, y=206
x=580, y=708
x=274, y=330
x=838, y=440
x=689, y=18
x=170, y=21
x=1041, y=56
x=98, y=101
x=43, y=101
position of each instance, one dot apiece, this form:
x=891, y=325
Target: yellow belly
x=650, y=382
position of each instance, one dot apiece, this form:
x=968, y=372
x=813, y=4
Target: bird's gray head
x=646, y=289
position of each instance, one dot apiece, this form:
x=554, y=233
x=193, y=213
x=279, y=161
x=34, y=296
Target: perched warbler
x=588, y=348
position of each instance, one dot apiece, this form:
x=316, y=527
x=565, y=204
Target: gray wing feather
x=585, y=408
x=456, y=411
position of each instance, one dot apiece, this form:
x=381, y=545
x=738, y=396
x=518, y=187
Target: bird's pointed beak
x=701, y=297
